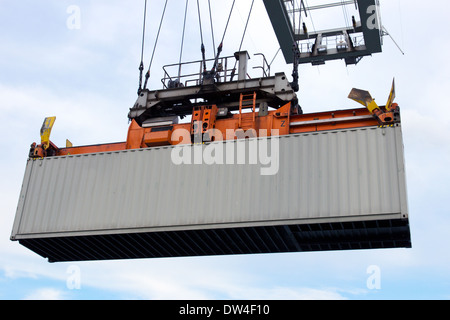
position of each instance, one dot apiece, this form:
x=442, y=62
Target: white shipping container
x=331, y=190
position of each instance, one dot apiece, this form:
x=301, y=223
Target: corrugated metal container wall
x=326, y=191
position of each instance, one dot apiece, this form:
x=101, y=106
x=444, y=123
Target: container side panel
x=332, y=175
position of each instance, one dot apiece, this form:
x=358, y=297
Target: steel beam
x=369, y=26
x=282, y=26
x=276, y=90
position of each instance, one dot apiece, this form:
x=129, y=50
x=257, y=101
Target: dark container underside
x=376, y=234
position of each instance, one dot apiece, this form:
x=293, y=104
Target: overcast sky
x=87, y=77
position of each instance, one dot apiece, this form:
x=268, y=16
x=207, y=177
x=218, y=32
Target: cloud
x=12, y=272
x=87, y=78
x=287, y=293
x=46, y=294
x=198, y=279
x=84, y=118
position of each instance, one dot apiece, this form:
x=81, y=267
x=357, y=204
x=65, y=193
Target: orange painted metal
x=157, y=138
x=333, y=120
x=109, y=147
x=250, y=124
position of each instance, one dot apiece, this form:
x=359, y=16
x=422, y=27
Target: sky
x=78, y=60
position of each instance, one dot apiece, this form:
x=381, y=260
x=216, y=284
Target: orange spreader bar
x=251, y=124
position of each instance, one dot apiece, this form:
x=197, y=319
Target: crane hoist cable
x=274, y=57
x=141, y=65
x=202, y=48
x=228, y=21
x=246, y=25
x=344, y=11
x=182, y=39
x=212, y=29
x=219, y=49
x=242, y=39
x=310, y=15
x=147, y=75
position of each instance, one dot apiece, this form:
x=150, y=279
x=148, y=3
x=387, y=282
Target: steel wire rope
x=147, y=75
x=293, y=15
x=346, y=20
x=300, y=4
x=212, y=29
x=310, y=15
x=141, y=65
x=201, y=37
x=276, y=54
x=182, y=39
x=344, y=11
x=243, y=34
x=246, y=25
x=200, y=21
x=312, y=22
x=299, y=13
x=219, y=49
x=228, y=21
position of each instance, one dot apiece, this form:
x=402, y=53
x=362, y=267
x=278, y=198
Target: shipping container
x=331, y=190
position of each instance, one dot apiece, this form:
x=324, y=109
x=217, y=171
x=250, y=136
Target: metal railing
x=306, y=46
x=191, y=73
